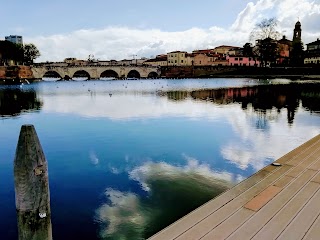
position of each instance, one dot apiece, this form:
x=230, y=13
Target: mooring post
x=32, y=187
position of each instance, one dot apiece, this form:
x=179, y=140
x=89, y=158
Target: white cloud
x=122, y=42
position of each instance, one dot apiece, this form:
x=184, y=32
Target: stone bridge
x=94, y=72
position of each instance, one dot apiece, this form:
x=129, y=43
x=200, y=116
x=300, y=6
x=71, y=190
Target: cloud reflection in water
x=172, y=192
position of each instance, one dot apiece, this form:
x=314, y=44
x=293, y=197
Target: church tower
x=297, y=32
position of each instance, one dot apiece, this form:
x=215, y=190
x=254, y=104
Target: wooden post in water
x=32, y=187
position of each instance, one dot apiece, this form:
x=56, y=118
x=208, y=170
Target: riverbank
x=293, y=73
x=24, y=74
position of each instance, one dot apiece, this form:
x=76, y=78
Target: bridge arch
x=133, y=74
x=51, y=74
x=81, y=74
x=152, y=75
x=109, y=74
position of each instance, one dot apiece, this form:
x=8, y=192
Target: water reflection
x=13, y=101
x=261, y=98
x=127, y=215
x=132, y=140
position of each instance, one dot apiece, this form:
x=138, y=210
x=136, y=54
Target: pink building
x=243, y=61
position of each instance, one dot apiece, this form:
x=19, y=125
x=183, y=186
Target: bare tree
x=267, y=28
x=265, y=35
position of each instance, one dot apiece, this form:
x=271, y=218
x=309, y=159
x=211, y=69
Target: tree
x=248, y=50
x=30, y=53
x=267, y=28
x=265, y=35
x=11, y=52
x=268, y=51
x=297, y=52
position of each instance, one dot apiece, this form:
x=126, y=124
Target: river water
x=127, y=158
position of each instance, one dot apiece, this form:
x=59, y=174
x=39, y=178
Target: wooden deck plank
x=236, y=220
x=310, y=155
x=262, y=198
x=316, y=178
x=307, y=146
x=305, y=163
x=314, y=231
x=304, y=220
x=231, y=224
x=207, y=224
x=280, y=221
x=254, y=224
x=284, y=181
x=185, y=223
x=315, y=166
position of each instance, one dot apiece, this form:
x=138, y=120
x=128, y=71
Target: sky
x=126, y=29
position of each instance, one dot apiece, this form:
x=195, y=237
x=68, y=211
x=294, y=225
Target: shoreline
x=11, y=81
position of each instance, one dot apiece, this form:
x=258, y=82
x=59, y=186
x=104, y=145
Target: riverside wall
x=250, y=72
x=15, y=72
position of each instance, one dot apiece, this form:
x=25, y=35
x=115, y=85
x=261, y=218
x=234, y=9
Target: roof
x=225, y=46
x=285, y=41
x=203, y=51
x=177, y=52
x=315, y=42
x=158, y=59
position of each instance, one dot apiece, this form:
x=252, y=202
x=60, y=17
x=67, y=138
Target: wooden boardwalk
x=278, y=202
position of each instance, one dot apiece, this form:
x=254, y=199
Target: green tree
x=11, y=52
x=30, y=53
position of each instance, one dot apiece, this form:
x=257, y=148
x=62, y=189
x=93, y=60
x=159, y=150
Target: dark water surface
x=127, y=158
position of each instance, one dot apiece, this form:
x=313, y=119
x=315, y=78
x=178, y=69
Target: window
x=236, y=59
x=199, y=62
x=240, y=59
x=175, y=61
x=181, y=61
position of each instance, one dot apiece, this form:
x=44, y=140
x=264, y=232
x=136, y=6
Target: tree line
x=18, y=53
x=267, y=48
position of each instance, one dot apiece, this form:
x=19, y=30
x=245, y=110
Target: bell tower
x=297, y=32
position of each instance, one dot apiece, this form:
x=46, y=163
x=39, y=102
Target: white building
x=14, y=39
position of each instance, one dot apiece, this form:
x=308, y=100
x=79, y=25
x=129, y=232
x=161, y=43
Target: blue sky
x=61, y=16
x=119, y=29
